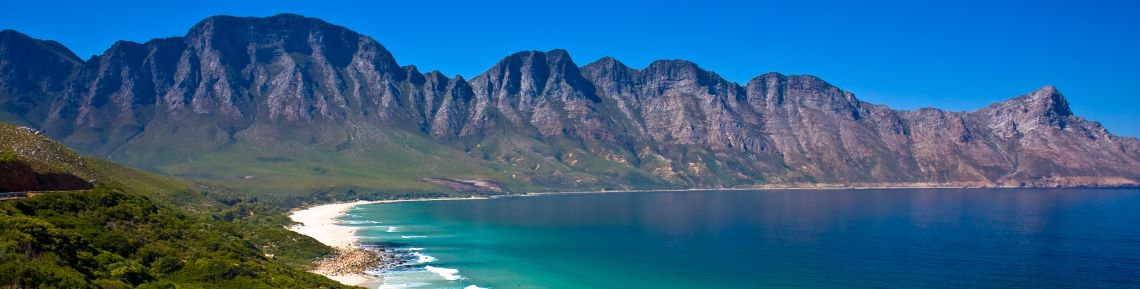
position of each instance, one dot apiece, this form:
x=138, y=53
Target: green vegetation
x=106, y=238
x=394, y=166
x=139, y=230
x=7, y=156
x=387, y=161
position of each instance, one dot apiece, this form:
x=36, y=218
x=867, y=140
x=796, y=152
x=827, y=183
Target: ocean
x=896, y=238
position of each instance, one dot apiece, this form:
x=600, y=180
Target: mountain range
x=294, y=103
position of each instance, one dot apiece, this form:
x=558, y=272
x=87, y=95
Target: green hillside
x=137, y=230
x=392, y=165
x=389, y=161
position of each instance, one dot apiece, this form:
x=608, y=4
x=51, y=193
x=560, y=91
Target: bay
x=896, y=238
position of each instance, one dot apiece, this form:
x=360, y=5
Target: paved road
x=21, y=195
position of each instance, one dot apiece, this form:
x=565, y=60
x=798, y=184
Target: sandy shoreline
x=320, y=223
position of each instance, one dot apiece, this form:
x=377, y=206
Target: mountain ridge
x=293, y=85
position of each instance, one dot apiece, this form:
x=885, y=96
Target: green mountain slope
x=393, y=160
x=137, y=230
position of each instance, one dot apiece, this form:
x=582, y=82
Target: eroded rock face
x=288, y=80
x=1040, y=137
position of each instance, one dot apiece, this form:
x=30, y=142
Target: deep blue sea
x=899, y=238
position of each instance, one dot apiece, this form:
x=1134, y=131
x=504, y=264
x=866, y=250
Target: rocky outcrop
x=542, y=91
x=357, y=261
x=292, y=81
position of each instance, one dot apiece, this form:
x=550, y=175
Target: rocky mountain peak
x=674, y=69
x=804, y=80
x=606, y=71
x=558, y=55
x=607, y=62
x=436, y=74
x=413, y=74
x=123, y=47
x=1045, y=103
x=31, y=71
x=534, y=74
x=772, y=74
x=1050, y=101
x=284, y=22
x=556, y=61
x=16, y=46
x=802, y=90
x=286, y=33
x=1042, y=109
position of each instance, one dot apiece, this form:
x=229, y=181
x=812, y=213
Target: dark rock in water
x=289, y=81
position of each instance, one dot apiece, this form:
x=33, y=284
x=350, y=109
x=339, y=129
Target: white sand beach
x=320, y=223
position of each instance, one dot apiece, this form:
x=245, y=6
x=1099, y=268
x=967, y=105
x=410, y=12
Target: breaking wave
x=447, y=273
x=423, y=258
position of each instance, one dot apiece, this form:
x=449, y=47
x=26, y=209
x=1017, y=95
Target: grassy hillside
x=137, y=230
x=394, y=165
x=391, y=163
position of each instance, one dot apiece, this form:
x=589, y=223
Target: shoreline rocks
x=351, y=261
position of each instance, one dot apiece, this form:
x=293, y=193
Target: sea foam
x=393, y=229
x=473, y=287
x=360, y=222
x=423, y=258
x=447, y=273
x=402, y=285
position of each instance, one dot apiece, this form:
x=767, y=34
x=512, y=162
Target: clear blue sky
x=956, y=55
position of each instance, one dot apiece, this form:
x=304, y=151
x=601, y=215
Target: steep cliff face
x=542, y=91
x=230, y=78
x=825, y=134
x=33, y=72
x=1040, y=137
x=286, y=83
x=688, y=125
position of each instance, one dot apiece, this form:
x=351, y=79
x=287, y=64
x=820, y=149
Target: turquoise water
x=1071, y=238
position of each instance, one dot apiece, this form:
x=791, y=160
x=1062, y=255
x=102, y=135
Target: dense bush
x=106, y=238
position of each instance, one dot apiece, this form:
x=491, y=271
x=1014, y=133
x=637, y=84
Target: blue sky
x=956, y=55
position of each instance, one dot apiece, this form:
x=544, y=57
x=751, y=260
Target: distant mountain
x=297, y=103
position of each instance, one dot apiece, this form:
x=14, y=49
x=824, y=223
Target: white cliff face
x=296, y=81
